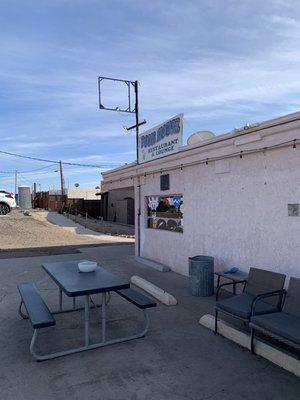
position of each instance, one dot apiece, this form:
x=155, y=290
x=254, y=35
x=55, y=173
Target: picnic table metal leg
x=24, y=316
x=107, y=298
x=218, y=284
x=87, y=319
x=87, y=346
x=60, y=299
x=74, y=307
x=103, y=317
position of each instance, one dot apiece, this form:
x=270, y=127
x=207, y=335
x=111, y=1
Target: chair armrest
x=280, y=293
x=227, y=284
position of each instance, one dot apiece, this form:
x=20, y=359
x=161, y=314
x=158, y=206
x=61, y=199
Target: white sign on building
x=162, y=140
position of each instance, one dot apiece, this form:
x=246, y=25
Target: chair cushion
x=240, y=306
x=280, y=323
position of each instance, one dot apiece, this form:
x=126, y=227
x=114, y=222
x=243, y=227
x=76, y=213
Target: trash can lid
x=201, y=258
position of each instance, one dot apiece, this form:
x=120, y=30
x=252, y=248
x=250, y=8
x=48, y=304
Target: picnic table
x=74, y=284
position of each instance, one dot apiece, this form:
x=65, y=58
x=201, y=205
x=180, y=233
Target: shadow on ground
x=50, y=250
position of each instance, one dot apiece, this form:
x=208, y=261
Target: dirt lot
x=106, y=227
x=18, y=231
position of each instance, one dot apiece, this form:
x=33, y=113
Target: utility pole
x=136, y=84
x=16, y=186
x=61, y=178
x=34, y=195
x=133, y=110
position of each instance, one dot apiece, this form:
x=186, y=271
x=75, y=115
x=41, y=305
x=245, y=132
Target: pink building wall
x=235, y=209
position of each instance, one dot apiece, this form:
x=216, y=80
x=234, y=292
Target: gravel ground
x=110, y=228
x=18, y=231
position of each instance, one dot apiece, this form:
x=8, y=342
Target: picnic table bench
x=37, y=310
x=136, y=298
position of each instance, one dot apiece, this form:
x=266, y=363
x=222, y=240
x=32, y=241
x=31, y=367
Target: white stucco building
x=239, y=197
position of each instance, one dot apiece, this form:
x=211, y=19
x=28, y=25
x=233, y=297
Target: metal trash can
x=201, y=272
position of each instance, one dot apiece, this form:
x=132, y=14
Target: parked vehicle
x=7, y=202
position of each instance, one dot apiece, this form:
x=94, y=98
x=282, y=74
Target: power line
x=22, y=178
x=57, y=162
x=28, y=157
x=28, y=171
x=37, y=169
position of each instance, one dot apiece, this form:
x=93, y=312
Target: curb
x=152, y=264
x=154, y=291
x=270, y=353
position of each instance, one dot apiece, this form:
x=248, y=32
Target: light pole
x=131, y=110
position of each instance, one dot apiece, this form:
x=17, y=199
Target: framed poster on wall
x=165, y=212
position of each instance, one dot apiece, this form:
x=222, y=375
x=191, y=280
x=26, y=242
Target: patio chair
x=284, y=325
x=259, y=282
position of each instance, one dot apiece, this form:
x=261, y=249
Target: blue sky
x=222, y=62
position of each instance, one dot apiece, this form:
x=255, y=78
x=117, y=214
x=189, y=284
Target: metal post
x=16, y=186
x=103, y=317
x=134, y=110
x=86, y=217
x=87, y=319
x=137, y=161
x=60, y=299
x=136, y=84
x=139, y=218
x=61, y=178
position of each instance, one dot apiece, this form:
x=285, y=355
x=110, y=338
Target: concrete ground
x=177, y=360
